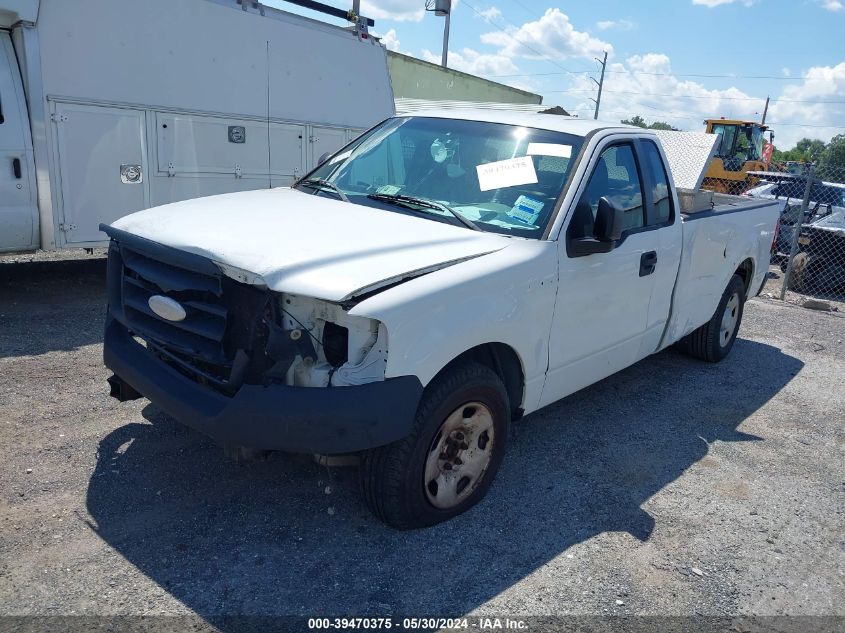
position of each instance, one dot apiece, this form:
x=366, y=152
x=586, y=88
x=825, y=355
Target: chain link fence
x=808, y=252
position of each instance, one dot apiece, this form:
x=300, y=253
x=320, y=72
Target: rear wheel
x=446, y=465
x=713, y=340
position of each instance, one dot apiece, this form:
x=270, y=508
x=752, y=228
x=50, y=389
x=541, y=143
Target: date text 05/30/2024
x=479, y=623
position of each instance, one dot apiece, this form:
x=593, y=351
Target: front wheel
x=447, y=463
x=713, y=340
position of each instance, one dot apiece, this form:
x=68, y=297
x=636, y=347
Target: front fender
x=505, y=297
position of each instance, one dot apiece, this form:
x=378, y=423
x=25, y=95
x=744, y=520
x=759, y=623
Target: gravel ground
x=673, y=487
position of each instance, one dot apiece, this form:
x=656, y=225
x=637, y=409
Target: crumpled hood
x=309, y=245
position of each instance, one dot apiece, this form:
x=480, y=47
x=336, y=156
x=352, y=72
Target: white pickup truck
x=433, y=281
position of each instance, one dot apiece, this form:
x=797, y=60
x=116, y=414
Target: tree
x=834, y=154
x=832, y=161
x=638, y=121
x=811, y=148
x=807, y=150
x=829, y=158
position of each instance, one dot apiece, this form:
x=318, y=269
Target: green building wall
x=416, y=79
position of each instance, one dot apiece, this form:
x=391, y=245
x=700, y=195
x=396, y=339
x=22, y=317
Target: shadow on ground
x=265, y=538
x=51, y=305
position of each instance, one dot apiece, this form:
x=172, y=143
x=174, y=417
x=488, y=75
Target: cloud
x=391, y=40
x=645, y=85
x=622, y=25
x=399, y=10
x=552, y=36
x=715, y=3
x=832, y=5
x=820, y=84
x=475, y=63
x=490, y=14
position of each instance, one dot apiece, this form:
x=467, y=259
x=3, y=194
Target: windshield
x=501, y=178
x=756, y=152
x=727, y=134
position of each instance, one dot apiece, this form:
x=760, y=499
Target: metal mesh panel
x=808, y=252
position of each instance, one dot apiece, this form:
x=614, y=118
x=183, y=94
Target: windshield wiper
x=424, y=202
x=316, y=183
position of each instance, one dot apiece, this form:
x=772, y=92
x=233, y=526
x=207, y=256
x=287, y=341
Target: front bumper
x=329, y=420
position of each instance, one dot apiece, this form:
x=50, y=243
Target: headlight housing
x=349, y=350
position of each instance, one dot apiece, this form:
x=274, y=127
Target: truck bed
x=699, y=201
x=719, y=231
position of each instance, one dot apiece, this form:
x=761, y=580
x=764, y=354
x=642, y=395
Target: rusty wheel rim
x=459, y=455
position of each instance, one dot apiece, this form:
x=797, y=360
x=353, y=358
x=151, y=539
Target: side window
x=660, y=193
x=616, y=178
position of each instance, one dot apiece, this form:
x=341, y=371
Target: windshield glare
x=503, y=178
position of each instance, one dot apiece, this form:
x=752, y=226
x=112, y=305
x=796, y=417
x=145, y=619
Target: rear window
x=825, y=194
x=660, y=192
x=789, y=189
x=819, y=193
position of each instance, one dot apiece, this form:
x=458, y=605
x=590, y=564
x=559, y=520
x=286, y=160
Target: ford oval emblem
x=167, y=308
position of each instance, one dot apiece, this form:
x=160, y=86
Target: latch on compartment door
x=131, y=174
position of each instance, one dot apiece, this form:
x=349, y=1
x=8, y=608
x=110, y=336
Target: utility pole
x=765, y=111
x=442, y=8
x=446, y=39
x=599, y=83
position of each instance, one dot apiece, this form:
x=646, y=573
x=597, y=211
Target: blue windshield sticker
x=526, y=210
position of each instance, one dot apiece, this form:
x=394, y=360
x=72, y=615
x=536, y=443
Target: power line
x=659, y=94
x=527, y=10
x=697, y=117
x=566, y=71
x=689, y=116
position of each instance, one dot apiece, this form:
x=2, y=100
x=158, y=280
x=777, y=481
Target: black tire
x=393, y=476
x=707, y=342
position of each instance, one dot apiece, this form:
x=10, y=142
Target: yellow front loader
x=742, y=148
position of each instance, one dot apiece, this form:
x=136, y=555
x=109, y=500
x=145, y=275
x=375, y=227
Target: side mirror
x=609, y=221
x=607, y=229
x=325, y=156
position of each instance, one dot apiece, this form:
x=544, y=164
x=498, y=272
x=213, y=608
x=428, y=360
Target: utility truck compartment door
x=18, y=213
x=103, y=167
x=325, y=139
x=191, y=144
x=287, y=153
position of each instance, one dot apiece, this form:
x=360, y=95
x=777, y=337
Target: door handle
x=648, y=262
x=16, y=167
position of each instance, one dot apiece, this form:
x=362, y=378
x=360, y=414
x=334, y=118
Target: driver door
x=601, y=313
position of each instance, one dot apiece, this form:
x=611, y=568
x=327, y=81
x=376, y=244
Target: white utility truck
x=111, y=106
x=440, y=276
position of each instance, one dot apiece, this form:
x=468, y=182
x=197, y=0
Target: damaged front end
x=248, y=366
x=317, y=344
x=232, y=330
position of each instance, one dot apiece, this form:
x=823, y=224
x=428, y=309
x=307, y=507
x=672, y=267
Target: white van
x=111, y=106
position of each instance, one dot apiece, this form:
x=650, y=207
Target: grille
x=197, y=344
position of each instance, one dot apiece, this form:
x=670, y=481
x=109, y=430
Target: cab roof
x=551, y=122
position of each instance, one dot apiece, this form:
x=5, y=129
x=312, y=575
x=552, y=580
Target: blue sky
x=793, y=51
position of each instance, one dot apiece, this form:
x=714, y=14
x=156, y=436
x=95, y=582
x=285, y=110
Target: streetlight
x=442, y=8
